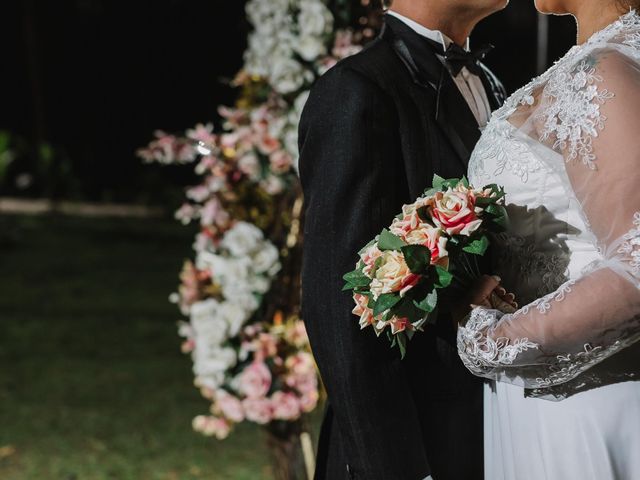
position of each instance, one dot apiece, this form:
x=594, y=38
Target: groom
x=375, y=130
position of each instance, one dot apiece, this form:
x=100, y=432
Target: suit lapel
x=452, y=113
x=495, y=91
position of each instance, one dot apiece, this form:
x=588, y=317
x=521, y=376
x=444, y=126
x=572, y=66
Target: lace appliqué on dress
x=631, y=246
x=566, y=367
x=479, y=351
x=543, y=305
x=498, y=145
x=573, y=117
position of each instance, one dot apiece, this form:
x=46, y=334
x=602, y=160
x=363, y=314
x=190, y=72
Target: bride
x=565, y=401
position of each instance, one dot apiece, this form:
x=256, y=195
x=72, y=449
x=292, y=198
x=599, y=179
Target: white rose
x=211, y=360
x=243, y=239
x=235, y=316
x=250, y=165
x=314, y=18
x=287, y=75
x=259, y=284
x=265, y=258
x=310, y=47
x=209, y=327
x=240, y=296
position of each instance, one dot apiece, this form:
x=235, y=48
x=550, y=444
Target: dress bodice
x=547, y=241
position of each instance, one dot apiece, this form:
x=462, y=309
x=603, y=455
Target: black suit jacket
x=374, y=131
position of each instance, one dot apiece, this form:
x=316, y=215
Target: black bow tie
x=456, y=58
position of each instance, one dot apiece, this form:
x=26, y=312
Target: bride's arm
x=556, y=338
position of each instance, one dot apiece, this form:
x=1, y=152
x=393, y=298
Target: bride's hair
x=629, y=4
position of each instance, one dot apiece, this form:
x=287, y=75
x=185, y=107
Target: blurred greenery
x=92, y=383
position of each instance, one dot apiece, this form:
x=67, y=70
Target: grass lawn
x=92, y=382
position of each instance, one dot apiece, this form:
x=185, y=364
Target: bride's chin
x=551, y=7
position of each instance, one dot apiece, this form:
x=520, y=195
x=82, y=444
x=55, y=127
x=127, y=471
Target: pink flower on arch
x=255, y=380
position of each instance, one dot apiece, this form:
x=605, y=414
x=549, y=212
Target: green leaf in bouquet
x=444, y=278
x=478, y=247
x=464, y=181
x=418, y=258
x=484, y=202
x=438, y=182
x=430, y=192
x=389, y=241
x=355, y=279
x=402, y=344
x=499, y=213
x=385, y=302
x=428, y=304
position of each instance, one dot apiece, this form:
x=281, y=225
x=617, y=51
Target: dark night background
x=94, y=78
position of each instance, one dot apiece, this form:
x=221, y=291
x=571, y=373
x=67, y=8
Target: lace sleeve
x=589, y=118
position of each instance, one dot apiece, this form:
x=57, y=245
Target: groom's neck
x=455, y=23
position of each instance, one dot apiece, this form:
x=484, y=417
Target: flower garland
x=250, y=352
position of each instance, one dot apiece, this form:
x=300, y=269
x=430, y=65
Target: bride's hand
x=486, y=292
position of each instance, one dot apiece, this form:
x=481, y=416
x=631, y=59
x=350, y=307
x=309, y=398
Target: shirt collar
x=435, y=35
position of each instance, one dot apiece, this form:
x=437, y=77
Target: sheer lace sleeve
x=588, y=119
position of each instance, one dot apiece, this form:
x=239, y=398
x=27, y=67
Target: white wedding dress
x=564, y=401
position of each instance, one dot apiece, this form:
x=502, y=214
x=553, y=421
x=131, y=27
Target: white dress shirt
x=470, y=85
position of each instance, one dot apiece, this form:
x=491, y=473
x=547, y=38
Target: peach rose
x=362, y=310
x=393, y=275
x=432, y=238
x=369, y=257
x=454, y=211
x=410, y=220
x=397, y=325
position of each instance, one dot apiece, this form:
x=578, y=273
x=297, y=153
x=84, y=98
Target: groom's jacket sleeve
x=354, y=184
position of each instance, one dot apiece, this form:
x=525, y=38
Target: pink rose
x=267, y=144
x=302, y=372
x=296, y=334
x=265, y=346
x=212, y=426
x=309, y=401
x=255, y=380
x=393, y=275
x=285, y=406
x=229, y=406
x=454, y=211
x=280, y=161
x=258, y=410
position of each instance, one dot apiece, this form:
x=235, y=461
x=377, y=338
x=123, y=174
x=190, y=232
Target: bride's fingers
x=484, y=288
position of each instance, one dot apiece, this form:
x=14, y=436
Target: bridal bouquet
x=432, y=245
